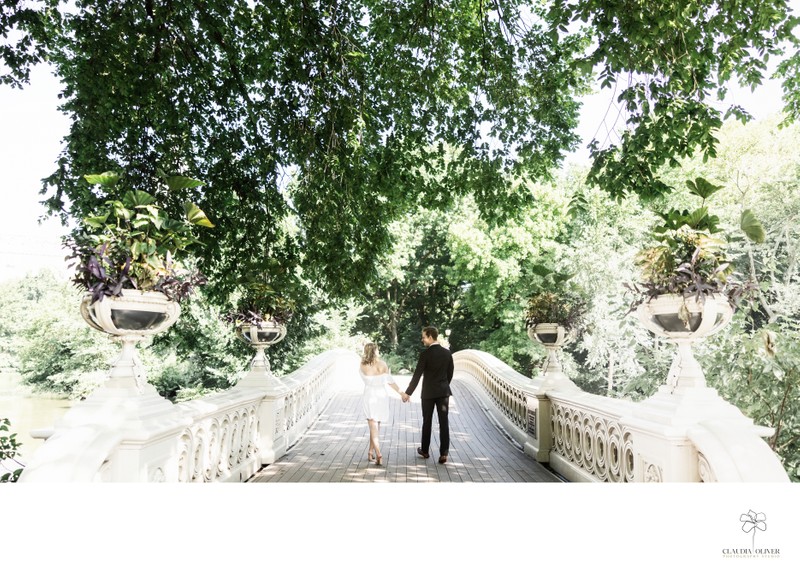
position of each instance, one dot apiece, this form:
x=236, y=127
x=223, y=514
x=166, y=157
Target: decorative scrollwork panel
x=595, y=443
x=217, y=444
x=705, y=470
x=508, y=398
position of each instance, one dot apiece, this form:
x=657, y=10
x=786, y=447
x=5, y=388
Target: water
x=28, y=412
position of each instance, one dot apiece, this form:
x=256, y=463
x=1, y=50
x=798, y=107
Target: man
x=435, y=366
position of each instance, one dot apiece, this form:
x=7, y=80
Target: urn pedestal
x=553, y=337
x=129, y=319
x=124, y=430
x=685, y=398
x=683, y=321
x=680, y=429
x=272, y=443
x=259, y=337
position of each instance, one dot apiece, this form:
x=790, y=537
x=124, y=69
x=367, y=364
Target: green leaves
x=372, y=100
x=137, y=198
x=751, y=226
x=551, y=278
x=196, y=216
x=688, y=258
x=107, y=179
x=564, y=308
x=666, y=60
x=182, y=182
x=702, y=187
x=9, y=449
x=96, y=222
x=399, y=102
x=698, y=219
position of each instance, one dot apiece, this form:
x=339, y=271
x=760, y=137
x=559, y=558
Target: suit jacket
x=435, y=366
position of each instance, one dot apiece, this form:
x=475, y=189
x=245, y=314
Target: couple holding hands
x=435, y=367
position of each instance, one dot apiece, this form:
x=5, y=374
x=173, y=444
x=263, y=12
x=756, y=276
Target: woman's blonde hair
x=370, y=354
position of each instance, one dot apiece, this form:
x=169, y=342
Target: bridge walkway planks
x=334, y=449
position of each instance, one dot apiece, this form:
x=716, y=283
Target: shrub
x=9, y=448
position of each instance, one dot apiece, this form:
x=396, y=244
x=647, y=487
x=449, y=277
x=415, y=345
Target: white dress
x=376, y=399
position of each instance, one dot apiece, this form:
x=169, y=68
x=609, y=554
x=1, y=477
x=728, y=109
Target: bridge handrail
x=592, y=438
x=226, y=436
x=504, y=387
x=309, y=388
x=73, y=454
x=231, y=432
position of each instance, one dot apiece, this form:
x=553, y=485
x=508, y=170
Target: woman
x=376, y=376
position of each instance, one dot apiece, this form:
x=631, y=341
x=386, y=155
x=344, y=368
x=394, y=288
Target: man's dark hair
x=431, y=332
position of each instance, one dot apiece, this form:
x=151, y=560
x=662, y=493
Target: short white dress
x=376, y=398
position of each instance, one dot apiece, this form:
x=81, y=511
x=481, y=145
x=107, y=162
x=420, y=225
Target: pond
x=28, y=411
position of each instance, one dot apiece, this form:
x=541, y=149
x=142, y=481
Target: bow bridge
x=307, y=427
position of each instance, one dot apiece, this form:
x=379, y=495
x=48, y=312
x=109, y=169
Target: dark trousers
x=442, y=405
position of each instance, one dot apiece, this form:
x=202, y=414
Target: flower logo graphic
x=753, y=521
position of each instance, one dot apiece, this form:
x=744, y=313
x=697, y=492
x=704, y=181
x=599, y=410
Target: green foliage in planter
x=562, y=305
x=566, y=309
x=133, y=243
x=690, y=255
x=264, y=297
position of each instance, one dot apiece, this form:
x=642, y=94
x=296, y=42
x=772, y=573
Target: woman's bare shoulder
x=370, y=370
x=378, y=368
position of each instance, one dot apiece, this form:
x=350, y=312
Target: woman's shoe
x=371, y=456
x=379, y=461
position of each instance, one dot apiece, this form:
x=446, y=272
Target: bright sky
x=30, y=135
x=32, y=129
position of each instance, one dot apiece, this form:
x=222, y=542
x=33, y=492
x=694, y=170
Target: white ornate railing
x=127, y=433
x=505, y=388
x=688, y=437
x=590, y=441
x=222, y=441
x=228, y=436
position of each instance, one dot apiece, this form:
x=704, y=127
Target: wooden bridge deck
x=334, y=449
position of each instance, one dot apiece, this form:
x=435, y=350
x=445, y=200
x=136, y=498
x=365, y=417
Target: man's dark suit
x=435, y=366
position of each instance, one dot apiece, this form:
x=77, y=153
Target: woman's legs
x=374, y=444
x=371, y=453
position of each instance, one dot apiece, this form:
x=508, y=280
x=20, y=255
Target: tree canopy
x=316, y=124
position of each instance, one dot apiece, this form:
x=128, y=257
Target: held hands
x=403, y=395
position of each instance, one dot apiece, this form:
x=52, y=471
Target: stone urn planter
x=130, y=317
x=684, y=320
x=133, y=313
x=553, y=336
x=548, y=334
x=260, y=336
x=552, y=317
x=662, y=316
x=266, y=333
